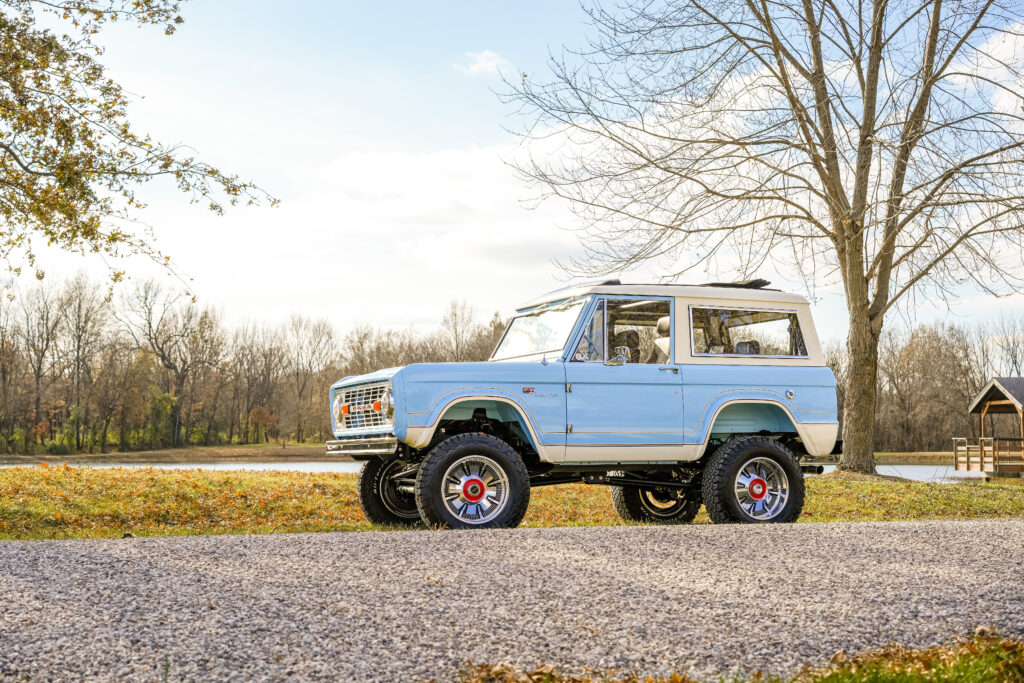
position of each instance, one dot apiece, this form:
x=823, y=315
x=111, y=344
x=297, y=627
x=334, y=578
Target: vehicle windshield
x=543, y=330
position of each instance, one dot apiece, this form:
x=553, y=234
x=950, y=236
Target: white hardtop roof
x=712, y=293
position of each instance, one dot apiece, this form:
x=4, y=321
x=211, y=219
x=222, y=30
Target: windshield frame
x=558, y=304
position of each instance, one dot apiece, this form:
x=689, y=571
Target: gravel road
x=705, y=600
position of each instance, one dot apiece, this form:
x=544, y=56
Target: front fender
x=421, y=426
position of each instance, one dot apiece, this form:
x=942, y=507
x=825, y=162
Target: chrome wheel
x=762, y=488
x=475, y=489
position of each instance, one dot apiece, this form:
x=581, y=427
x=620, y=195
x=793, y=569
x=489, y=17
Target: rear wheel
x=753, y=479
x=381, y=497
x=655, y=505
x=472, y=481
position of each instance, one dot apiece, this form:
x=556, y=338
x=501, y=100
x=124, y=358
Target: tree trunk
x=861, y=393
x=103, y=435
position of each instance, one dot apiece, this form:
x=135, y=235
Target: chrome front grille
x=360, y=400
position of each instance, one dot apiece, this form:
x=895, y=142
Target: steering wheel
x=593, y=353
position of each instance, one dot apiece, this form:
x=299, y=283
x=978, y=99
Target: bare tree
x=458, y=326
x=259, y=358
x=1007, y=338
x=206, y=349
x=83, y=316
x=39, y=322
x=311, y=347
x=164, y=323
x=875, y=142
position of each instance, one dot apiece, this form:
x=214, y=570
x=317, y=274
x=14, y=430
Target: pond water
x=940, y=473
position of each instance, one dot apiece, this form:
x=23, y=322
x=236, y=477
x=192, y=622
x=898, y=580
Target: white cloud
x=385, y=238
x=484, y=63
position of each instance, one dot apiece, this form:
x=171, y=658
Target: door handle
x=670, y=369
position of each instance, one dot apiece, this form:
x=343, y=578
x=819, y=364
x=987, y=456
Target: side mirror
x=622, y=356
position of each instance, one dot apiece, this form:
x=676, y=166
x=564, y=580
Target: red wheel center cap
x=757, y=488
x=473, y=489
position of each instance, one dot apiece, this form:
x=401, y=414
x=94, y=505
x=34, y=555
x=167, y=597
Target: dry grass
x=77, y=502
x=974, y=660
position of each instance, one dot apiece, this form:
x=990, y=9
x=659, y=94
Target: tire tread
x=436, y=459
x=715, y=479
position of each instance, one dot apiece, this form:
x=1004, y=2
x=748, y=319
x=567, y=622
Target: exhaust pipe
x=812, y=469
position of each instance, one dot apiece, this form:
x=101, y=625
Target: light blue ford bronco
x=672, y=395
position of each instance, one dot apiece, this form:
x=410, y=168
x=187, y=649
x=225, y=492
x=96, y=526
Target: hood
x=378, y=376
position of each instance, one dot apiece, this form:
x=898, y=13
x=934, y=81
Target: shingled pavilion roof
x=1001, y=389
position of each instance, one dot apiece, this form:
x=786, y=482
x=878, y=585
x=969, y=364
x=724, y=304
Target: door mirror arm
x=622, y=356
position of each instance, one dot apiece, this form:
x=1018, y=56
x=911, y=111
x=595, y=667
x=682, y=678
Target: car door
x=623, y=391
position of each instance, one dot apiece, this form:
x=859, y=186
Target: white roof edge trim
x=994, y=382
x=723, y=294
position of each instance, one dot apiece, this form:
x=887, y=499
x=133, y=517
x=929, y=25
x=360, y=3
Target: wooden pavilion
x=995, y=455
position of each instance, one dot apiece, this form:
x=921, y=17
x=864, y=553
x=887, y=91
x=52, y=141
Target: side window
x=740, y=332
x=636, y=330
x=592, y=345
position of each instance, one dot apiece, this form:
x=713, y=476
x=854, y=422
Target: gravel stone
x=708, y=601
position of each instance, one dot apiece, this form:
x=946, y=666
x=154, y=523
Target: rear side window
x=746, y=332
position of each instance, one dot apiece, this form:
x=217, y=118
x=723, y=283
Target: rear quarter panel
x=708, y=388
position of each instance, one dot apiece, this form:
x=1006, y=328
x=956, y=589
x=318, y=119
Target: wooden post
x=1020, y=452
x=984, y=411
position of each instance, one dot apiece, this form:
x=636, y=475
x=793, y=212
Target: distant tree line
x=83, y=372
x=150, y=369
x=928, y=376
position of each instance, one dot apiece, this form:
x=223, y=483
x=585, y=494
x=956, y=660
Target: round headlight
x=387, y=404
x=339, y=399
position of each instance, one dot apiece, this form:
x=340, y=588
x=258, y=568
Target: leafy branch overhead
x=70, y=161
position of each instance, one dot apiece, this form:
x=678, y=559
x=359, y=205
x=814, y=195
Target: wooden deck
x=996, y=457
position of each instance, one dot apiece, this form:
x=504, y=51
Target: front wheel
x=382, y=498
x=472, y=481
x=753, y=479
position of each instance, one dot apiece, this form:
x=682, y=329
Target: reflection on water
x=942, y=473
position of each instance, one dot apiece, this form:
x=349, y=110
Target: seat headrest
x=664, y=326
x=750, y=348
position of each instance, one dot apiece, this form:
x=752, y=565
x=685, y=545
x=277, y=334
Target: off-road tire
x=720, y=473
x=382, y=505
x=429, y=481
x=630, y=504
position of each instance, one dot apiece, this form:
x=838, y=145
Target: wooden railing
x=995, y=456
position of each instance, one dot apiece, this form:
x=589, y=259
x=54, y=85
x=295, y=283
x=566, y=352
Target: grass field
x=975, y=660
x=49, y=502
x=263, y=452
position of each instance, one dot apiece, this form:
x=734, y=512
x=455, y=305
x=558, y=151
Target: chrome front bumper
x=357, y=447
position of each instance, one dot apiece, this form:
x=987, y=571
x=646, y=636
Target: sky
x=378, y=127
